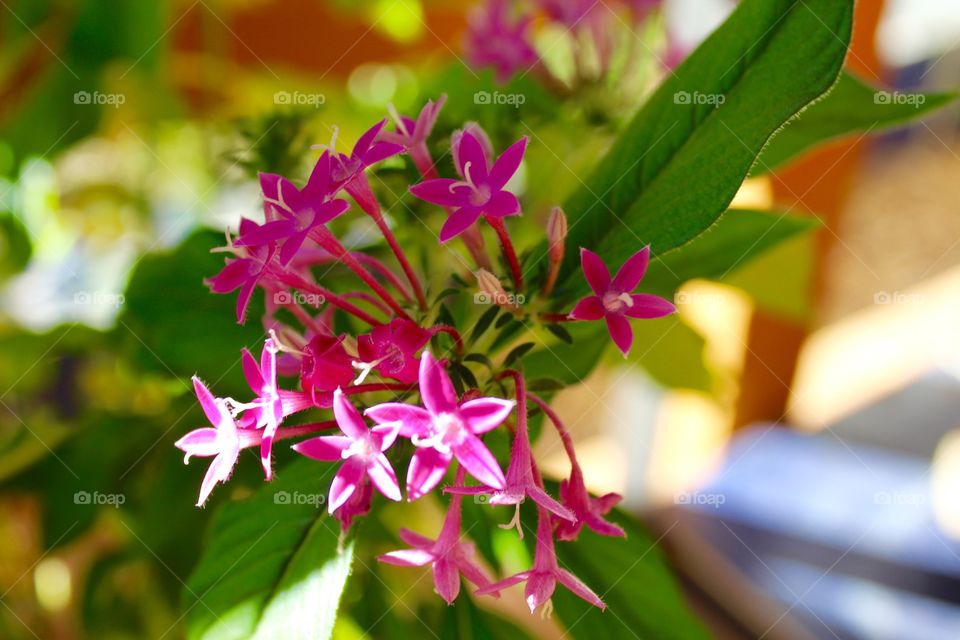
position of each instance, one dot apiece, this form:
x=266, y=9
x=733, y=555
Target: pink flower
x=222, y=442
x=243, y=272
x=293, y=213
x=325, y=366
x=450, y=554
x=495, y=40
x=267, y=412
x=360, y=448
x=348, y=170
x=412, y=134
x=480, y=192
x=445, y=429
x=587, y=510
x=543, y=577
x=612, y=299
x=391, y=349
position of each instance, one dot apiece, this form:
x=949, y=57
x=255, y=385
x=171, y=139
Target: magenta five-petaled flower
x=266, y=412
x=481, y=188
x=245, y=271
x=390, y=349
x=613, y=300
x=495, y=39
x=360, y=448
x=444, y=429
x=412, y=134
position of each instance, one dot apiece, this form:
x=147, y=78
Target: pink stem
x=565, y=436
x=508, y=251
x=378, y=386
x=375, y=301
x=401, y=258
x=553, y=318
x=450, y=331
x=384, y=271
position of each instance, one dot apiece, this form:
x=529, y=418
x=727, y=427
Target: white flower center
x=615, y=302
x=365, y=449
x=448, y=430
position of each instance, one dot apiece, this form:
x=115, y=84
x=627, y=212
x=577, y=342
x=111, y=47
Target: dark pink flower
x=244, y=271
x=543, y=577
x=347, y=171
x=360, y=448
x=495, y=39
x=587, y=509
x=481, y=190
x=412, y=134
x=612, y=299
x=443, y=429
x=325, y=365
x=450, y=554
x=391, y=350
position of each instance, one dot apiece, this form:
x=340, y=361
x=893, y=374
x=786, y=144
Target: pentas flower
x=243, y=272
x=412, y=134
x=495, y=40
x=543, y=577
x=612, y=299
x=348, y=170
x=222, y=442
x=293, y=213
x=481, y=190
x=360, y=448
x=586, y=509
x=444, y=429
x=325, y=366
x=391, y=349
x=450, y=554
x=266, y=412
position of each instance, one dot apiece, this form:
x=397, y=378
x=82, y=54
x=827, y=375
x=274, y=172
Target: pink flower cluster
x=410, y=395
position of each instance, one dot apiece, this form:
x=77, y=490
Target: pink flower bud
x=492, y=292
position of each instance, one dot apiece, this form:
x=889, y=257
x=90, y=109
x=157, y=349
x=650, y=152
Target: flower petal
x=199, y=442
x=590, y=308
x=326, y=448
x=503, y=584
x=632, y=271
x=383, y=477
x=507, y=164
x=648, y=306
x=407, y=558
x=479, y=462
x=427, y=468
x=414, y=539
x=267, y=233
x=446, y=579
x=458, y=222
x=596, y=273
x=348, y=418
x=387, y=434
x=345, y=483
x=573, y=583
x=484, y=414
x=540, y=586
x=251, y=371
x=413, y=420
x=219, y=471
x=471, y=160
x=502, y=204
x=436, y=389
x=546, y=501
x=621, y=333
x=441, y=191
x=213, y=410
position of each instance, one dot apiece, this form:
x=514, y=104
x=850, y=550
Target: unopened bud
x=491, y=291
x=556, y=233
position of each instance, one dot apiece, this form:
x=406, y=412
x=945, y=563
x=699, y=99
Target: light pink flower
x=267, y=410
x=495, y=39
x=360, y=448
x=543, y=577
x=612, y=299
x=443, y=429
x=412, y=134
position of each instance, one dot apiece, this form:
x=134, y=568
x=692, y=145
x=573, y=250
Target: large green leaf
x=271, y=568
x=850, y=107
x=679, y=163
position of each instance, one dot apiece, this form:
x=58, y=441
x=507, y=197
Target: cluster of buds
x=389, y=361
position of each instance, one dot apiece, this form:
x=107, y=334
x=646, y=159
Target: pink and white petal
x=589, y=308
x=413, y=420
x=383, y=477
x=574, y=584
x=633, y=270
x=407, y=558
x=458, y=222
x=345, y=483
x=546, y=501
x=479, y=462
x=501, y=205
x=212, y=409
x=427, y=468
x=648, y=306
x=506, y=583
x=243, y=299
x=436, y=388
x=446, y=579
x=507, y=164
x=441, y=191
x=268, y=362
x=251, y=371
x=414, y=539
x=199, y=442
x=325, y=448
x=595, y=272
x=484, y=414
x=266, y=448
x=348, y=418
x=471, y=159
x=620, y=331
x=540, y=586
x=219, y=471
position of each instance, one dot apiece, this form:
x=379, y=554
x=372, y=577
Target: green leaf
x=560, y=332
x=678, y=164
x=484, y=323
x=671, y=352
x=851, y=107
x=271, y=568
x=568, y=363
x=736, y=238
x=517, y=353
x=465, y=621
